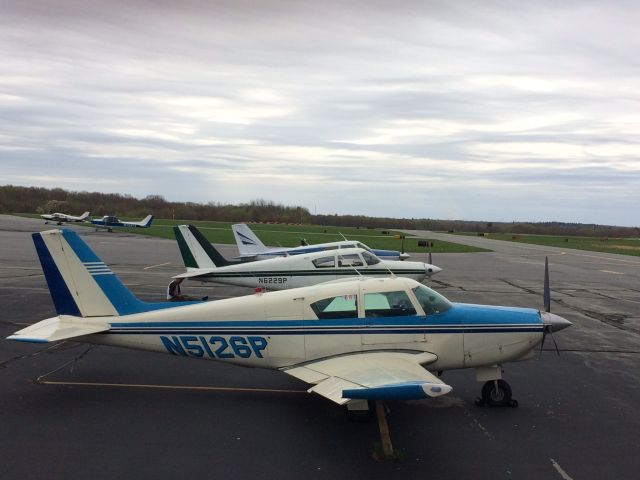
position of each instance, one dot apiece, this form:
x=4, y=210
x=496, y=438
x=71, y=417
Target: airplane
x=204, y=263
x=61, y=218
x=251, y=248
x=352, y=341
x=110, y=222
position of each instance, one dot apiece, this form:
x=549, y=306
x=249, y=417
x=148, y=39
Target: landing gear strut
x=496, y=393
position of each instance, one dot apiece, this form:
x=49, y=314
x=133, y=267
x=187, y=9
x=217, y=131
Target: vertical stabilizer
x=81, y=285
x=247, y=241
x=196, y=250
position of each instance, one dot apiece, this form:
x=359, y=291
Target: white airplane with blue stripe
x=353, y=341
x=110, y=222
x=204, y=263
x=251, y=248
x=61, y=218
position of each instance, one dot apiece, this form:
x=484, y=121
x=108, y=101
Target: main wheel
x=497, y=393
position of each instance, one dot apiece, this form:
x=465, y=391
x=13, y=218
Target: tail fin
x=84, y=215
x=247, y=241
x=196, y=250
x=146, y=222
x=80, y=284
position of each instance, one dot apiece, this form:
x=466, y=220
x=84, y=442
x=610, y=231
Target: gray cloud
x=493, y=111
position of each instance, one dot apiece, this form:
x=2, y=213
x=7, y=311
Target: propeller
x=551, y=322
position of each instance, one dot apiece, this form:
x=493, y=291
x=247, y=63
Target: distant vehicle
x=110, y=222
x=251, y=248
x=352, y=341
x=205, y=263
x=61, y=218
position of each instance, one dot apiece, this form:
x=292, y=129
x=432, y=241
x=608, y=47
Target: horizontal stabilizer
x=58, y=328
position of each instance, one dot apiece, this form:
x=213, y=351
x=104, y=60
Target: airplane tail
x=196, y=250
x=84, y=215
x=146, y=223
x=247, y=241
x=83, y=289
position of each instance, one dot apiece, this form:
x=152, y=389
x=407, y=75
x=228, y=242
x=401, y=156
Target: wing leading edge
x=372, y=376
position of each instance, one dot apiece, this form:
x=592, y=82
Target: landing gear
x=496, y=393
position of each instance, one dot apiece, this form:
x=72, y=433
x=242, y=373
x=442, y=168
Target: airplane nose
x=431, y=269
x=556, y=322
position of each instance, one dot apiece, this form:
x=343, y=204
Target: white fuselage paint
x=285, y=347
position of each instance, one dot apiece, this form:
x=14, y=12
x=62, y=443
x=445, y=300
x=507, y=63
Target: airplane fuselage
x=281, y=329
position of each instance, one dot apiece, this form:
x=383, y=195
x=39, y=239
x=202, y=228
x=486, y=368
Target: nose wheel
x=496, y=393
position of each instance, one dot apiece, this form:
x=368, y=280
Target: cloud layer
x=467, y=110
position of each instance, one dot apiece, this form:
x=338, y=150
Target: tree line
x=16, y=199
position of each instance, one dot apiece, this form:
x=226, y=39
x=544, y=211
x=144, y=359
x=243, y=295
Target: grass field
x=291, y=235
x=624, y=246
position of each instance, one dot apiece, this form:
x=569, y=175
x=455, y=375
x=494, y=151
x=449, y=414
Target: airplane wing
x=372, y=376
x=58, y=328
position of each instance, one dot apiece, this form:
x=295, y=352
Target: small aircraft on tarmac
x=353, y=340
x=251, y=248
x=205, y=263
x=110, y=222
x=61, y=218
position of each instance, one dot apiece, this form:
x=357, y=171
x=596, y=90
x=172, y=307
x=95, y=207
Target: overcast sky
x=476, y=110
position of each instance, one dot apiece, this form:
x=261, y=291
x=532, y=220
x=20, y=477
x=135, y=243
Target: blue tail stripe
x=60, y=294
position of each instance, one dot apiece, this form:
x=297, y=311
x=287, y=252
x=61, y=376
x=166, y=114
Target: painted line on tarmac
x=563, y=474
x=612, y=272
x=169, y=387
x=158, y=265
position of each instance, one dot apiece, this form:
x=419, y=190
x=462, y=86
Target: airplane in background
x=110, y=222
x=204, y=263
x=353, y=340
x=251, y=248
x=61, y=218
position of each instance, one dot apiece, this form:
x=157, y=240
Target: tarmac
x=103, y=412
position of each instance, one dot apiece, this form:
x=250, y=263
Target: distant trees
x=15, y=199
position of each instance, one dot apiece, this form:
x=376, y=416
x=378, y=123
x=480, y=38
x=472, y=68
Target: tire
x=500, y=397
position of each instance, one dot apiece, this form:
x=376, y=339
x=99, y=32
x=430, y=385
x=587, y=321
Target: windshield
x=431, y=301
x=370, y=259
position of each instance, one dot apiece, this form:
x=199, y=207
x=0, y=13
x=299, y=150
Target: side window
x=343, y=306
x=325, y=262
x=388, y=304
x=350, y=260
x=431, y=301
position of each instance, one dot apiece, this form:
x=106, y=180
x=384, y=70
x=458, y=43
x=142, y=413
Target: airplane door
x=318, y=270
x=332, y=325
x=285, y=346
x=391, y=320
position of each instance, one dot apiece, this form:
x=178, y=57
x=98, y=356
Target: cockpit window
x=325, y=262
x=388, y=304
x=370, y=259
x=432, y=302
x=343, y=306
x=350, y=260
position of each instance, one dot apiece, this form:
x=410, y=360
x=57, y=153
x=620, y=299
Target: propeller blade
x=430, y=259
x=544, y=336
x=547, y=291
x=554, y=342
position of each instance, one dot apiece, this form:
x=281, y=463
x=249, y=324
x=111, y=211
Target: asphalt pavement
x=103, y=412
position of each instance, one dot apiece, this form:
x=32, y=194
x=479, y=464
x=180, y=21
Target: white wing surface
x=372, y=376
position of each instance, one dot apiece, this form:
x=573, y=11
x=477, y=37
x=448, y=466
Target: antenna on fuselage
x=351, y=265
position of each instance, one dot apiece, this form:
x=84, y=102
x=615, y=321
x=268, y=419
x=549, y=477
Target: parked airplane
x=353, y=340
x=61, y=218
x=251, y=248
x=205, y=263
x=110, y=222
